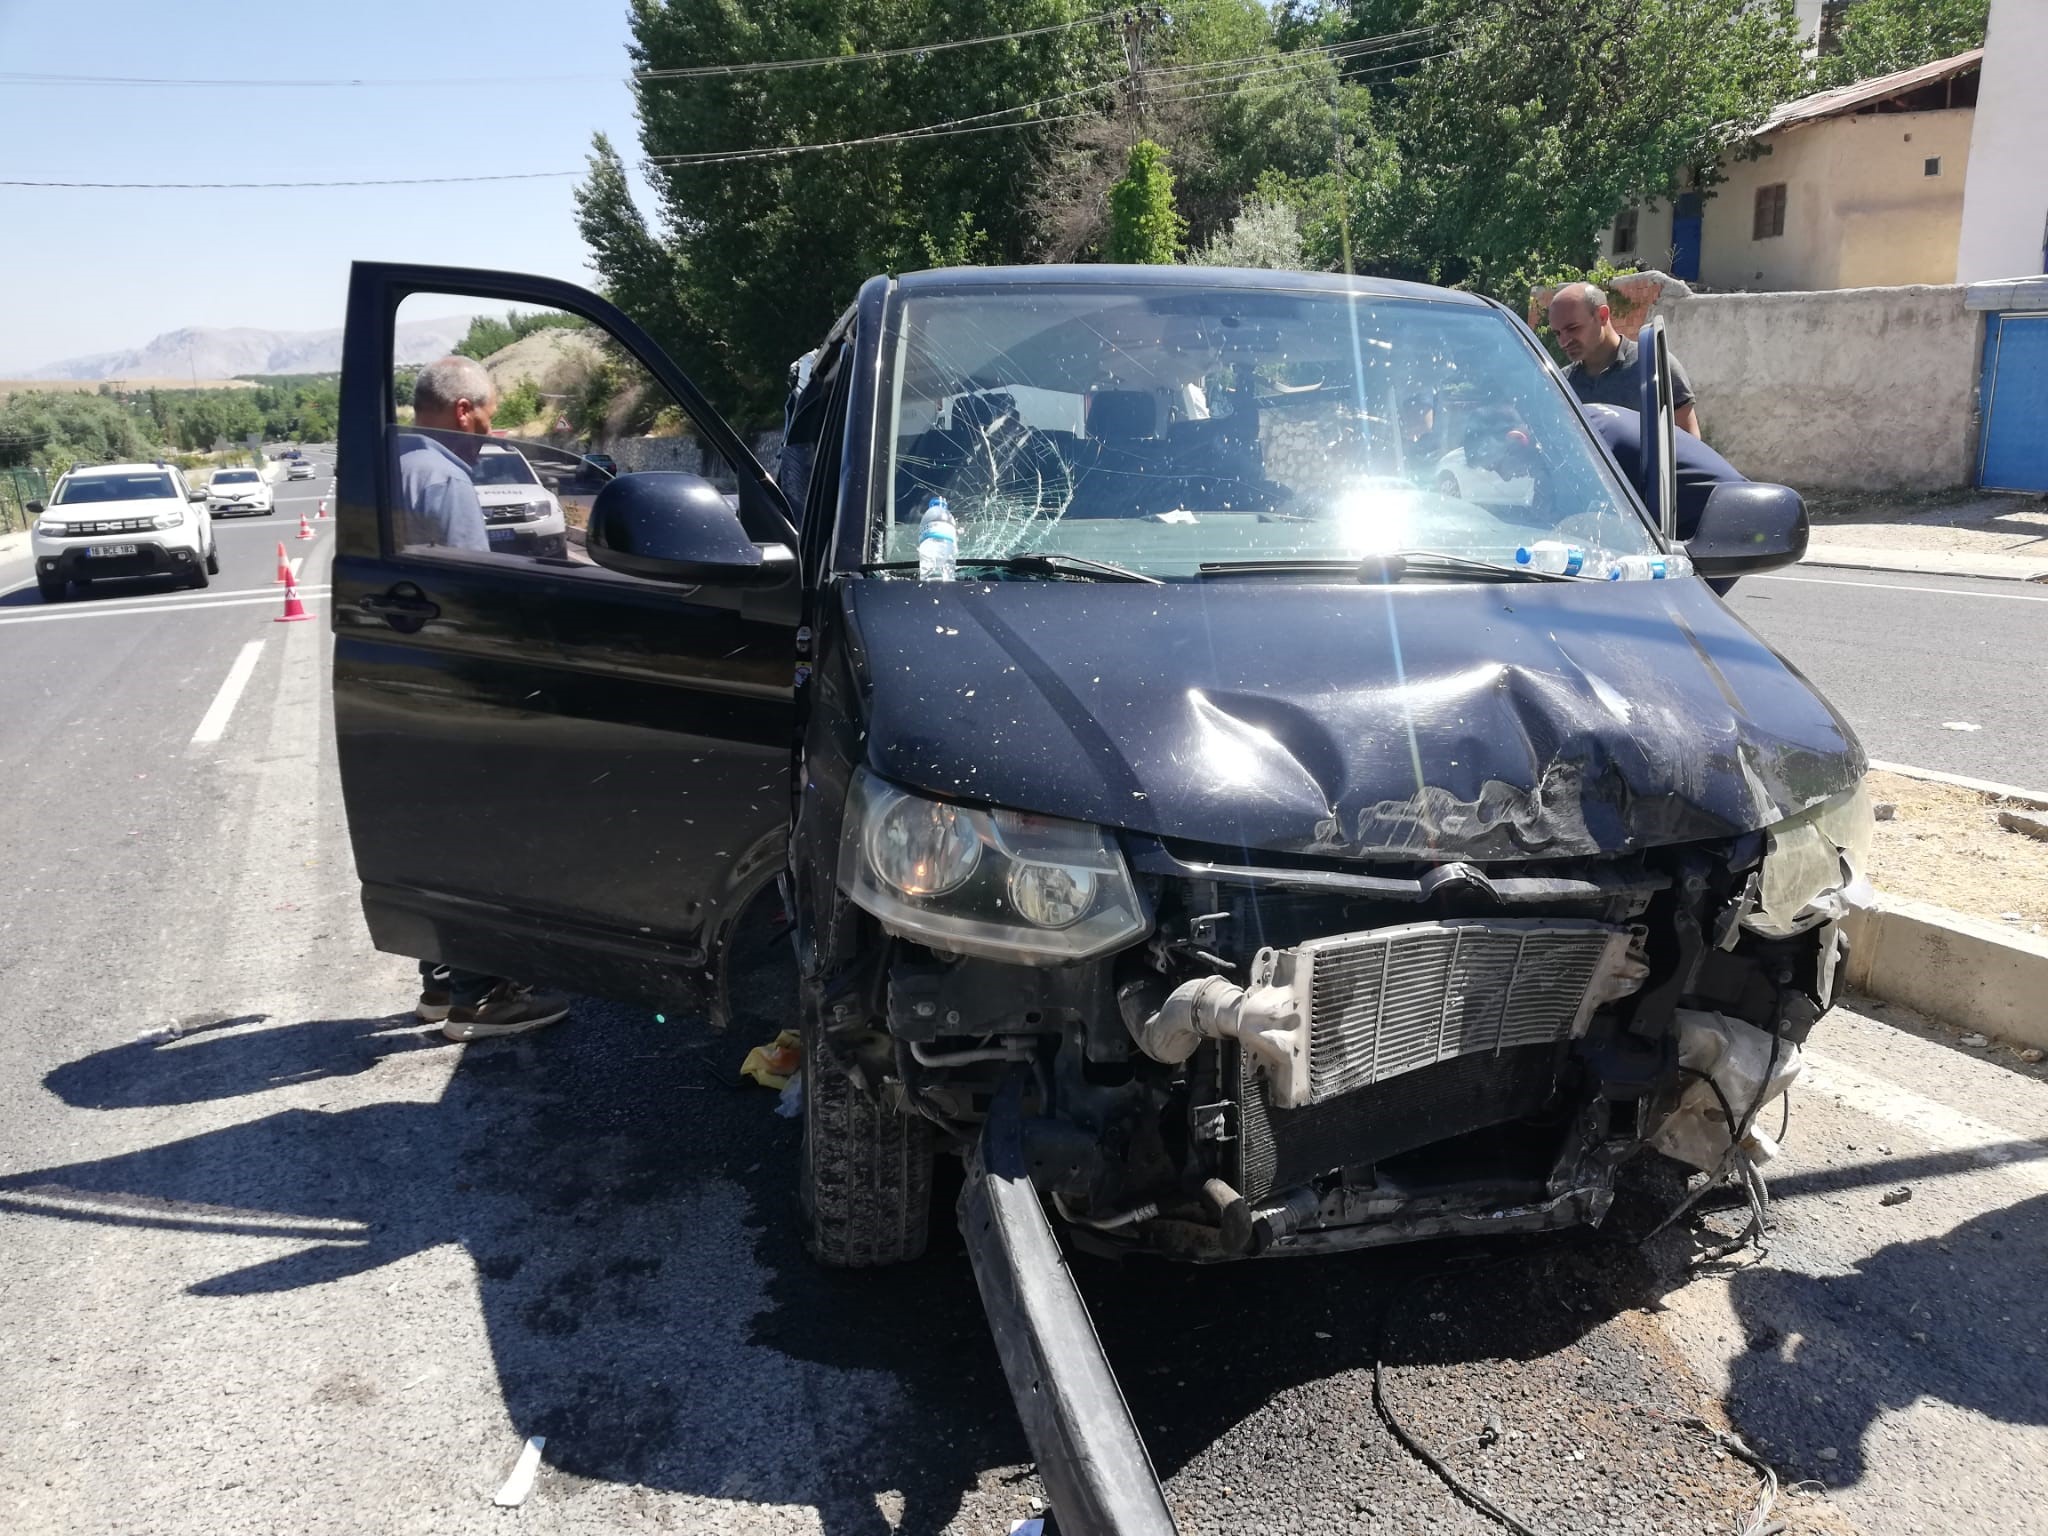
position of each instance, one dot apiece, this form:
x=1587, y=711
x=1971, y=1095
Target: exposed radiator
x=1395, y=1000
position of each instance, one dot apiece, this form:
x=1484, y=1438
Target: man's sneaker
x=433, y=1007
x=508, y=1009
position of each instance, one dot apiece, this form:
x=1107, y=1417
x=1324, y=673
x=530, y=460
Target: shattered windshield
x=1167, y=428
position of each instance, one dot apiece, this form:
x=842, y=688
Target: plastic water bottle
x=938, y=542
x=1649, y=568
x=1552, y=556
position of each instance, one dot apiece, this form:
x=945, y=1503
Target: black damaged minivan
x=1320, y=808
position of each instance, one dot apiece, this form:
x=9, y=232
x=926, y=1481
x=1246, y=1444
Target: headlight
x=168, y=519
x=1000, y=884
x=1809, y=862
x=50, y=527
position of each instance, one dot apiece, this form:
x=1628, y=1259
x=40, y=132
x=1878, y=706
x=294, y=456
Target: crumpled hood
x=1422, y=722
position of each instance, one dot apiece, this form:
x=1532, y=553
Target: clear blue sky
x=99, y=271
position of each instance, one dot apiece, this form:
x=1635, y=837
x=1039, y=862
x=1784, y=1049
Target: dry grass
x=1943, y=844
x=126, y=386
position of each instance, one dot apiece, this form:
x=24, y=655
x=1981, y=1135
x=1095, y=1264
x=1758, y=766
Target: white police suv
x=113, y=520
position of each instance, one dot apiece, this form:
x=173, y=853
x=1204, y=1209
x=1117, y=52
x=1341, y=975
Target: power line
x=375, y=181
x=685, y=72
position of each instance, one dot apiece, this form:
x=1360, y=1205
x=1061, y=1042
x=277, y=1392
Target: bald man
x=438, y=503
x=1603, y=361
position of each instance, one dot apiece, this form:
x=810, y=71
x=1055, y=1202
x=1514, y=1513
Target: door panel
x=553, y=771
x=2014, y=455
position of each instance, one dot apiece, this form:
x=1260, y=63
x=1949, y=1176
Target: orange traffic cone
x=284, y=566
x=321, y=511
x=305, y=528
x=293, y=608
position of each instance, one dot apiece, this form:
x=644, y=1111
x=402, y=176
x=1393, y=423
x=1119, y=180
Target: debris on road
x=772, y=1065
x=1948, y=844
x=2035, y=827
x=1976, y=1041
x=791, y=1105
x=524, y=1471
x=1885, y=810
x=2031, y=1055
x=1897, y=1196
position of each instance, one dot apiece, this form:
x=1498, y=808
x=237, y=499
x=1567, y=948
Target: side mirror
x=1748, y=527
x=193, y=493
x=35, y=509
x=676, y=527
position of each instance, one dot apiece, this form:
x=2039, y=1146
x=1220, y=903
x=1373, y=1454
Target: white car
x=302, y=469
x=113, y=520
x=1453, y=476
x=521, y=516
x=239, y=490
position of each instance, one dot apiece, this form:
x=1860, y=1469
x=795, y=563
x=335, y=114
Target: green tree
x=1265, y=233
x=1875, y=37
x=1143, y=223
x=742, y=265
x=1530, y=121
x=54, y=430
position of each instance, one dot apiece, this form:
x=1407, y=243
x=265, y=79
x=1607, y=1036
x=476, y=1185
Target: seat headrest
x=1123, y=414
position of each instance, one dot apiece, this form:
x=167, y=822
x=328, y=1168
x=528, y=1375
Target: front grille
x=78, y=530
x=1392, y=1001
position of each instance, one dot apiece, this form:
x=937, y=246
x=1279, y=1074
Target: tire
x=213, y=561
x=1447, y=485
x=270, y=511
x=865, y=1172
x=197, y=580
x=53, y=591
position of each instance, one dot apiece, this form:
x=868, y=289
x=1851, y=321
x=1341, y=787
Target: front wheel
x=865, y=1173
x=213, y=561
x=197, y=580
x=53, y=591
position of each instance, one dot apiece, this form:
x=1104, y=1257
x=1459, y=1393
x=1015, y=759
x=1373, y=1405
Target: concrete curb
x=2036, y=798
x=1849, y=557
x=1950, y=966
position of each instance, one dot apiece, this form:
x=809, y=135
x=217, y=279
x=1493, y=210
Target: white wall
x=1862, y=389
x=2005, y=207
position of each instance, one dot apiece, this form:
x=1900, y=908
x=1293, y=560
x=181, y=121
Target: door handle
x=405, y=608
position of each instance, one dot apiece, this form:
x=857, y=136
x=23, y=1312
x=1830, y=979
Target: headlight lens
x=1052, y=895
x=1809, y=859
x=174, y=519
x=923, y=848
x=1000, y=884
x=51, y=527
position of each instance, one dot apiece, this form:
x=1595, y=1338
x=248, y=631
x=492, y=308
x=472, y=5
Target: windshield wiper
x=1045, y=562
x=1389, y=568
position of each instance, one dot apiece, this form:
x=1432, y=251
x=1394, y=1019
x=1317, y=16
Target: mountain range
x=224, y=352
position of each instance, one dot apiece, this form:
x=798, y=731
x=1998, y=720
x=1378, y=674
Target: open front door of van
x=554, y=772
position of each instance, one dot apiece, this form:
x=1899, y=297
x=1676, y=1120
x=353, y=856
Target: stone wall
x=1854, y=389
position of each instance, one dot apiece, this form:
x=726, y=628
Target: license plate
x=106, y=551
x=501, y=535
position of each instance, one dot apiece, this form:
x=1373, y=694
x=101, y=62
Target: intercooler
x=1416, y=1034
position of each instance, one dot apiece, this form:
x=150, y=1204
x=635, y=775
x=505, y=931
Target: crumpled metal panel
x=1424, y=722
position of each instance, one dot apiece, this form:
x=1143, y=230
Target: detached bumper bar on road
x=1098, y=1477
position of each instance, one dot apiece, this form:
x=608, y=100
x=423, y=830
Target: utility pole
x=1136, y=23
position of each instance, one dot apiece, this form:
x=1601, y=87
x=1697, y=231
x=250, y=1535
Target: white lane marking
x=1892, y=586
x=1944, y=1129
x=180, y=598
x=215, y=720
x=309, y=594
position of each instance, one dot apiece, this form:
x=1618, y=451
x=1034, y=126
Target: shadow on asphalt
x=629, y=1207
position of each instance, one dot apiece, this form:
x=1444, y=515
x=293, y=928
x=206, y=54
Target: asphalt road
x=273, y=1257
x=1907, y=658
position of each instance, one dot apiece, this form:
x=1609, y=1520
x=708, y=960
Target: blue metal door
x=2014, y=452
x=1685, y=236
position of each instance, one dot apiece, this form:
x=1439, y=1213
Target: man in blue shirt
x=438, y=508
x=438, y=503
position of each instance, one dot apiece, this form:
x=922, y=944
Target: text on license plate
x=102, y=551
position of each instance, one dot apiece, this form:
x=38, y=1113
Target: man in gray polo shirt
x=1603, y=361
